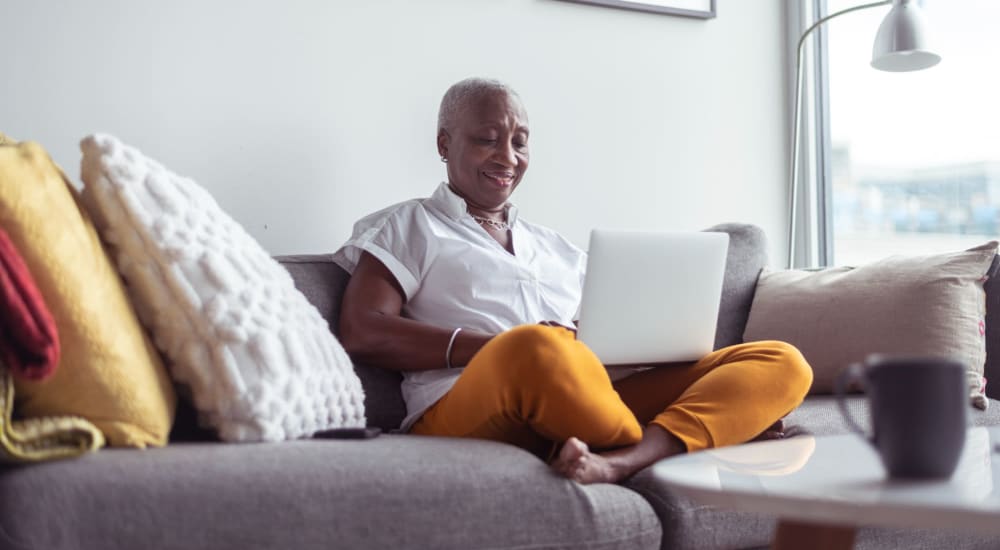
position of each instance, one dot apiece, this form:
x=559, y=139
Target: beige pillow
x=933, y=305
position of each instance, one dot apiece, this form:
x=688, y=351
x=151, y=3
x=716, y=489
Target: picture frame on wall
x=701, y=9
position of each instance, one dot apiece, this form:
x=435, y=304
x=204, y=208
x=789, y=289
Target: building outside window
x=915, y=157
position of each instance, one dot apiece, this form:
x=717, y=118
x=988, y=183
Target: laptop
x=652, y=297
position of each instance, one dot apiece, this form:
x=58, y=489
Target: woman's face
x=487, y=149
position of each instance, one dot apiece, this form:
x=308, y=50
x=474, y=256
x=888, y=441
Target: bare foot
x=576, y=462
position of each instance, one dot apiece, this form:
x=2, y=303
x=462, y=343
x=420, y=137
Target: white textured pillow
x=258, y=358
x=912, y=305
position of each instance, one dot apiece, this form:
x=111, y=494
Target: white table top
x=840, y=480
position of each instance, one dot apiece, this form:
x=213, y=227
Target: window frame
x=814, y=243
x=824, y=142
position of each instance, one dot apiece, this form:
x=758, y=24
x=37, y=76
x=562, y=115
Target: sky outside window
x=916, y=156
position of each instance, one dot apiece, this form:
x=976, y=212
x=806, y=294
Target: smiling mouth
x=503, y=179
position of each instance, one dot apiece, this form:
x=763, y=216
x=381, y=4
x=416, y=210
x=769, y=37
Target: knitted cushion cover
x=260, y=362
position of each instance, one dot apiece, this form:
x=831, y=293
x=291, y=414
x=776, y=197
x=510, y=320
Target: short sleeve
x=581, y=265
x=399, y=236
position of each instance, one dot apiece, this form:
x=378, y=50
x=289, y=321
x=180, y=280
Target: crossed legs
x=534, y=386
x=728, y=397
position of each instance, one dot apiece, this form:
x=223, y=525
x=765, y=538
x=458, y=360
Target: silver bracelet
x=451, y=343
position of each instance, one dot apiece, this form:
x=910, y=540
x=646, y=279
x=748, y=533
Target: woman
x=473, y=305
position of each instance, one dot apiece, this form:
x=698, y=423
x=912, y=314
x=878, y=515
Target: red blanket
x=29, y=342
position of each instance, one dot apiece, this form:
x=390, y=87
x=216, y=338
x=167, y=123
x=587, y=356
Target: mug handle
x=853, y=373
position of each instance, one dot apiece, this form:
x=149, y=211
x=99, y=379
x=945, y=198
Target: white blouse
x=454, y=274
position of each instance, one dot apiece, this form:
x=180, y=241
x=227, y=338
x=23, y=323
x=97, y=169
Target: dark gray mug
x=918, y=412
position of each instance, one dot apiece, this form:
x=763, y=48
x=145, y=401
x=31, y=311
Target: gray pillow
x=924, y=305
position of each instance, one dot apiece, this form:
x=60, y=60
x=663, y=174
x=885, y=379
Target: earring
x=443, y=159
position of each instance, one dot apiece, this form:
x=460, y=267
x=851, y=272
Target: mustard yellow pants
x=535, y=385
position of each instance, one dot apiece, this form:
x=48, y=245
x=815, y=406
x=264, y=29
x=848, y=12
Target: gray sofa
x=398, y=491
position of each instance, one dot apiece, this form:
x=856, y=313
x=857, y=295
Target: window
x=914, y=157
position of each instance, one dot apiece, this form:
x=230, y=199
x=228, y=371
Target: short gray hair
x=465, y=91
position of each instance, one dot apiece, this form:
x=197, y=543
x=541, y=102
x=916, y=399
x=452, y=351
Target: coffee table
x=823, y=488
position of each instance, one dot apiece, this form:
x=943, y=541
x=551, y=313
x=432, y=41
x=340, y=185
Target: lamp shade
x=903, y=43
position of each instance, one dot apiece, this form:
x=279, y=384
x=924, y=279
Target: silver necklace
x=495, y=224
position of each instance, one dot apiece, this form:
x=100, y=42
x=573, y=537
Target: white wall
x=300, y=116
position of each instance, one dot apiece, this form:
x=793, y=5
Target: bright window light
x=915, y=159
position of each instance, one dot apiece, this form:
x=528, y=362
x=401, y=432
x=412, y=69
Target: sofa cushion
x=394, y=491
x=819, y=415
x=109, y=371
x=259, y=360
x=922, y=305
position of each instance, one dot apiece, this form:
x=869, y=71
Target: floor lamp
x=900, y=45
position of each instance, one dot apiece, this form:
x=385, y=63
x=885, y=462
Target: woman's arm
x=374, y=332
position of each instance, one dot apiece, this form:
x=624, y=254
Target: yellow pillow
x=109, y=373
x=7, y=140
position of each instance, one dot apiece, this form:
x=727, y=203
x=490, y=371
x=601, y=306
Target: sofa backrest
x=746, y=258
x=323, y=282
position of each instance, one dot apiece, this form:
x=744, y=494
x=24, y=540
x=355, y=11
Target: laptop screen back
x=652, y=297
